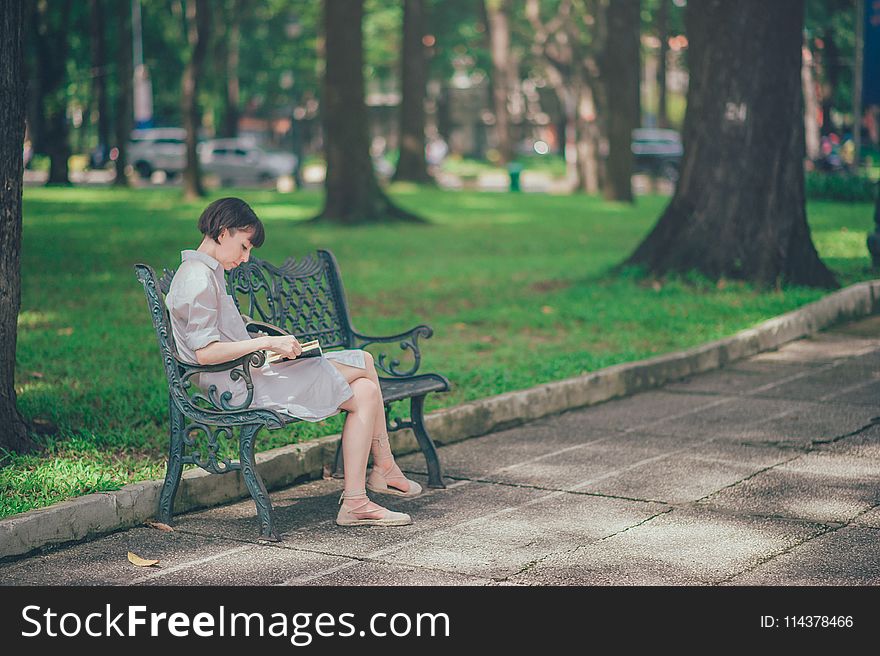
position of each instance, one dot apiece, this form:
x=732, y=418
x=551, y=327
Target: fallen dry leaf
x=137, y=561
x=160, y=526
x=65, y=331
x=36, y=374
x=547, y=309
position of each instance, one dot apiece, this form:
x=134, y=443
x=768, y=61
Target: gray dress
x=202, y=312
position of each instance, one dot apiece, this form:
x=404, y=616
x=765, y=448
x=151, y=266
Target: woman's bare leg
x=383, y=458
x=357, y=437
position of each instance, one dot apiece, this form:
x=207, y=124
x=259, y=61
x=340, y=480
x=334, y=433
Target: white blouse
x=202, y=312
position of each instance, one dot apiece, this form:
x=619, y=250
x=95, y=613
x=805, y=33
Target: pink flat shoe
x=378, y=517
x=378, y=482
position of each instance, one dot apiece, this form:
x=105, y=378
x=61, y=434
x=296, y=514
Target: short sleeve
x=194, y=305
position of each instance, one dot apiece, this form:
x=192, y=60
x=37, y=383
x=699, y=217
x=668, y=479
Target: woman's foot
x=358, y=510
x=392, y=481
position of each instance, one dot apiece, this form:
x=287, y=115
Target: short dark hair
x=232, y=214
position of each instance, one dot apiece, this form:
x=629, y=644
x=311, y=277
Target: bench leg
x=255, y=483
x=175, y=467
x=435, y=473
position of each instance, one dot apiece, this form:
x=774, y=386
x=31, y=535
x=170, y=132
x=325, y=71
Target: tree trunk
x=831, y=64
x=198, y=13
x=352, y=193
x=811, y=105
x=52, y=24
x=663, y=36
x=414, y=77
x=620, y=76
x=13, y=429
x=497, y=12
x=739, y=208
x=97, y=36
x=124, y=67
x=233, y=43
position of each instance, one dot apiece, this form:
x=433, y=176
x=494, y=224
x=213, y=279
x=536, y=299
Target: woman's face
x=234, y=247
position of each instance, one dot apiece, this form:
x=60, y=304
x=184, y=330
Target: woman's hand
x=286, y=345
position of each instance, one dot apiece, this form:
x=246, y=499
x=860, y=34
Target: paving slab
x=769, y=421
x=849, y=556
x=105, y=561
x=865, y=444
x=820, y=348
x=869, y=519
x=679, y=547
x=680, y=478
x=503, y=543
x=379, y=573
x=821, y=487
x=742, y=377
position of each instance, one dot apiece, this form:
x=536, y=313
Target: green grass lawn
x=516, y=287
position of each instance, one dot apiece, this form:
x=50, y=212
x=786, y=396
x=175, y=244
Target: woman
x=208, y=329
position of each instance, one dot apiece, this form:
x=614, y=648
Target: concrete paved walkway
x=765, y=472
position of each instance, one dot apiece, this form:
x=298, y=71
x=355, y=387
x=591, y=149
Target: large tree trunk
x=97, y=37
x=51, y=45
x=739, y=208
x=414, y=75
x=229, y=127
x=663, y=36
x=198, y=13
x=352, y=194
x=498, y=12
x=124, y=68
x=620, y=76
x=13, y=429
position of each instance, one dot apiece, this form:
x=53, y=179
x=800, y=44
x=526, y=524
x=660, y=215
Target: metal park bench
x=305, y=298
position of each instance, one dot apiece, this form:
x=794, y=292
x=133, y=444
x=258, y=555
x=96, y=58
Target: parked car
x=157, y=149
x=235, y=161
x=657, y=152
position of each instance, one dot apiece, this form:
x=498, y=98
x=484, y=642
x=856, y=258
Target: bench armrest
x=408, y=340
x=218, y=409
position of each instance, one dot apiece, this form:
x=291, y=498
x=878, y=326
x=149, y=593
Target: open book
x=310, y=349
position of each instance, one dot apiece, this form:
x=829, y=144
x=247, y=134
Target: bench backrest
x=304, y=297
x=155, y=290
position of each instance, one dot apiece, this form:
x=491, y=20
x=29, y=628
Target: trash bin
x=514, y=169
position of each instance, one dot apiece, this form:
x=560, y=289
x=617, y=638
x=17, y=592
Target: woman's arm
x=217, y=352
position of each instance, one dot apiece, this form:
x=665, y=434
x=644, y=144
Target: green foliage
x=844, y=188
x=509, y=311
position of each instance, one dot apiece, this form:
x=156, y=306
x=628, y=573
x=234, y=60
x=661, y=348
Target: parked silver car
x=236, y=161
x=157, y=149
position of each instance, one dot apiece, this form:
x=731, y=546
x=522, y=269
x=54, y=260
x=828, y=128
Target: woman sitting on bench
x=208, y=329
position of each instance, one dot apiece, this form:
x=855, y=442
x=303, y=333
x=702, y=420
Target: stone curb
x=105, y=512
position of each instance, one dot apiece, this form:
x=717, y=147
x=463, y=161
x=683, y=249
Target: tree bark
x=831, y=64
x=51, y=24
x=13, y=428
x=620, y=76
x=352, y=193
x=198, y=14
x=411, y=165
x=124, y=68
x=663, y=36
x=233, y=44
x=739, y=208
x=97, y=37
x=498, y=24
